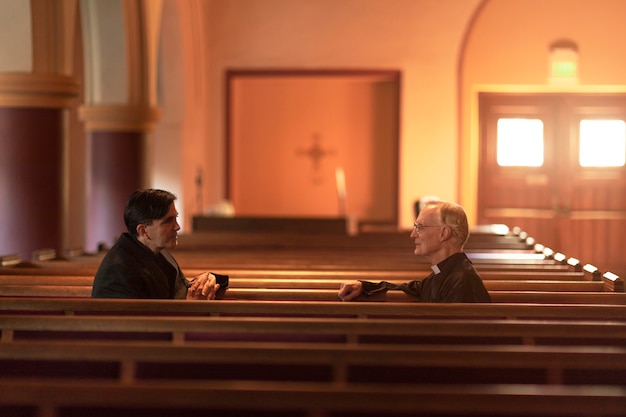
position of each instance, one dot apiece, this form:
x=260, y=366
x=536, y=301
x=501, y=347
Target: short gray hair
x=453, y=216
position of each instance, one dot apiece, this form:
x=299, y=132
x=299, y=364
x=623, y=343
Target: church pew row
x=561, y=373
x=339, y=264
x=325, y=255
x=282, y=399
x=327, y=224
x=363, y=262
x=320, y=294
x=571, y=280
x=338, y=364
x=559, y=402
x=204, y=264
x=83, y=284
x=398, y=296
x=395, y=241
x=58, y=277
x=276, y=241
x=80, y=306
x=340, y=257
x=406, y=331
x=520, y=259
x=610, y=281
x=342, y=261
x=375, y=275
x=499, y=285
x=324, y=259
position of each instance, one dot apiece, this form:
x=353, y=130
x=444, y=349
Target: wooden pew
x=280, y=399
x=51, y=390
x=59, y=277
x=604, y=401
x=338, y=252
x=509, y=280
x=533, y=283
x=271, y=225
x=610, y=282
x=337, y=364
x=184, y=330
x=342, y=261
x=377, y=275
x=203, y=263
x=83, y=291
x=80, y=280
x=77, y=306
x=398, y=296
x=289, y=286
x=394, y=242
x=499, y=285
x=333, y=308
x=558, y=297
x=319, y=259
x=533, y=292
x=522, y=258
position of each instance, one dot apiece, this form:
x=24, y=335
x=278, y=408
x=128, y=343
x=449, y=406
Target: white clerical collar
x=435, y=269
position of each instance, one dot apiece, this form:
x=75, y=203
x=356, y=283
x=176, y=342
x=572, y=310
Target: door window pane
x=520, y=142
x=602, y=143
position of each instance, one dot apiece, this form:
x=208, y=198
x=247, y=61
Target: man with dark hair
x=139, y=265
x=439, y=233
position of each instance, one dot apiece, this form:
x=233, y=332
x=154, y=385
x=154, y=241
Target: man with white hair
x=439, y=233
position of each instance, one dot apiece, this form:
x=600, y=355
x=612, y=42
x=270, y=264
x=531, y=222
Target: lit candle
x=341, y=182
x=341, y=188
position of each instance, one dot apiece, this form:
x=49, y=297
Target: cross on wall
x=316, y=153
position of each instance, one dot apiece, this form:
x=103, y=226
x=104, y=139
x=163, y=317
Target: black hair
x=144, y=206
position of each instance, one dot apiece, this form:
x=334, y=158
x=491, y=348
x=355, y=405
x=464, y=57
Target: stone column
x=32, y=131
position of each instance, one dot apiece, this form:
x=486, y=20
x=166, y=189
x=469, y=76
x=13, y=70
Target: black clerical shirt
x=454, y=280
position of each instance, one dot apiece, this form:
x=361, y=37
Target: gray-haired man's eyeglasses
x=419, y=228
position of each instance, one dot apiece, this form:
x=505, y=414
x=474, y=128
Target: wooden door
x=564, y=201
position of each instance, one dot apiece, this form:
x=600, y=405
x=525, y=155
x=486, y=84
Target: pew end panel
x=612, y=282
x=10, y=260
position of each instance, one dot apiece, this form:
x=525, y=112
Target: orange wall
x=278, y=121
x=420, y=38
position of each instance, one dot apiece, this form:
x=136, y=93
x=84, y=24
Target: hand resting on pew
x=350, y=290
x=206, y=286
x=439, y=234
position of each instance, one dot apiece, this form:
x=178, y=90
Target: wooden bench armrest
x=574, y=265
x=10, y=260
x=592, y=273
x=45, y=254
x=612, y=282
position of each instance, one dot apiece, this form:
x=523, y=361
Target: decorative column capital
x=25, y=89
x=119, y=117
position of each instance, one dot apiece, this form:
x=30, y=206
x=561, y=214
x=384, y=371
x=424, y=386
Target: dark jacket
x=131, y=270
x=457, y=282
